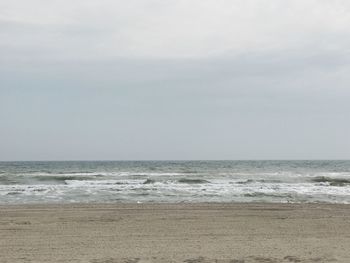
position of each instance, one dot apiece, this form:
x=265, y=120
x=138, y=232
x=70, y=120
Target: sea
x=174, y=182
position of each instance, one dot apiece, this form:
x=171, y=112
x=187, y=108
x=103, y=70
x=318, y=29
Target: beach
x=203, y=232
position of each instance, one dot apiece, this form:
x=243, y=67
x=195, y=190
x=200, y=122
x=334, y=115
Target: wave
x=4, y=180
x=193, y=181
x=76, y=172
x=13, y=193
x=250, y=181
x=332, y=181
x=62, y=178
x=262, y=194
x=155, y=173
x=149, y=181
x=90, y=184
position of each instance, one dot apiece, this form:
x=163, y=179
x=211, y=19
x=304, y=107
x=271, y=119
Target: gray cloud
x=174, y=80
x=171, y=29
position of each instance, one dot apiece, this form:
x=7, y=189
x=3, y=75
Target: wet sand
x=232, y=233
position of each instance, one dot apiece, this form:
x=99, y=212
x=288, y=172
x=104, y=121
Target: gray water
x=175, y=181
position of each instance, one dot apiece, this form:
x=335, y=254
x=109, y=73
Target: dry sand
x=232, y=233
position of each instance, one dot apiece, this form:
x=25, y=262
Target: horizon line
x=170, y=160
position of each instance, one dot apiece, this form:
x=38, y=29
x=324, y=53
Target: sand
x=232, y=233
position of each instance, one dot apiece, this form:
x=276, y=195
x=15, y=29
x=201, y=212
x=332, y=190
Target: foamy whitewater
x=175, y=181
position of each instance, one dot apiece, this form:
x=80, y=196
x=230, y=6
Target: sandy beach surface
x=130, y=233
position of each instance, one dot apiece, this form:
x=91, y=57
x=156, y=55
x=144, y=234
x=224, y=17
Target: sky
x=174, y=79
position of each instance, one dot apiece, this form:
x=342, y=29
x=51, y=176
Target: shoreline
x=181, y=232
x=181, y=203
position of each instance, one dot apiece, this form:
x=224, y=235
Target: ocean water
x=175, y=181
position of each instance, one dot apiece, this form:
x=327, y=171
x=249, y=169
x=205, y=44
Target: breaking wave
x=332, y=181
x=263, y=181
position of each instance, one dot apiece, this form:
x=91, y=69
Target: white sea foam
x=179, y=182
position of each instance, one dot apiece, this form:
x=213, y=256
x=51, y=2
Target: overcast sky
x=174, y=79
